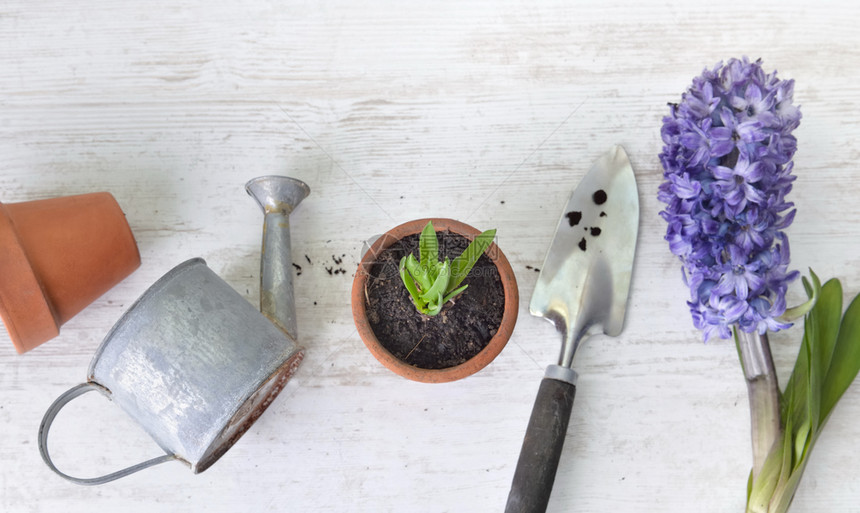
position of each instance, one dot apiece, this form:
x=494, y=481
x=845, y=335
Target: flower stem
x=763, y=391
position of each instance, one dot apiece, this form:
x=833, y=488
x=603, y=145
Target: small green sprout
x=432, y=283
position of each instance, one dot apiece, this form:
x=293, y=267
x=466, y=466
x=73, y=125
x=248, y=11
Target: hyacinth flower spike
x=727, y=160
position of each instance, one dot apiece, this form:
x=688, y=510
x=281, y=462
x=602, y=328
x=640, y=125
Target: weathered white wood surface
x=486, y=112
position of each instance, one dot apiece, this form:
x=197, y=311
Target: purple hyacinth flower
x=754, y=105
x=727, y=150
x=750, y=132
x=707, y=142
x=737, y=184
x=739, y=276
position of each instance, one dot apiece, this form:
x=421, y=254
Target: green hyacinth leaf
x=795, y=398
x=435, y=306
x=822, y=324
x=808, y=287
x=802, y=442
x=845, y=361
x=829, y=320
x=783, y=495
x=796, y=405
x=410, y=284
x=461, y=265
x=765, y=483
x=437, y=267
x=420, y=274
x=439, y=286
x=454, y=293
x=798, y=382
x=813, y=391
x=796, y=312
x=428, y=246
x=749, y=487
x=787, y=454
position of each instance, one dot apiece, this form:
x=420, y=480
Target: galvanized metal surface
x=186, y=357
x=277, y=196
x=585, y=278
x=191, y=361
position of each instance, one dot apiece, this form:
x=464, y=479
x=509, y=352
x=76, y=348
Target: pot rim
x=467, y=368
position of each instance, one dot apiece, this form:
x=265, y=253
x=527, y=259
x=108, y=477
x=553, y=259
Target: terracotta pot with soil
x=56, y=257
x=468, y=333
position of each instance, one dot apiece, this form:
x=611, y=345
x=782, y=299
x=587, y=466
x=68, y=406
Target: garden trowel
x=582, y=289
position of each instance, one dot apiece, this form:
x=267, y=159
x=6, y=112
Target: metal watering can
x=191, y=361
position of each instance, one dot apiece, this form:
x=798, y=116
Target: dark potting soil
x=459, y=332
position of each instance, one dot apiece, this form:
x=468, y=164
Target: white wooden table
x=485, y=112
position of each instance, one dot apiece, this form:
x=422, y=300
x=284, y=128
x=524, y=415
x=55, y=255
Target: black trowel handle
x=543, y=442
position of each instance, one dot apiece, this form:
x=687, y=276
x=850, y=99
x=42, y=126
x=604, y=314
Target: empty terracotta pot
x=56, y=257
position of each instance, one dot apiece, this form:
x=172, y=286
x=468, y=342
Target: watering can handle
x=46, y=426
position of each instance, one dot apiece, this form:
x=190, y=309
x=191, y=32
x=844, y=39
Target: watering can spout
x=278, y=196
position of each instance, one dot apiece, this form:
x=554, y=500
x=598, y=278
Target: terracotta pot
x=476, y=363
x=56, y=257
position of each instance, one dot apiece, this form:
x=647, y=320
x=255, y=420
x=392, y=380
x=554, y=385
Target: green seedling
x=431, y=282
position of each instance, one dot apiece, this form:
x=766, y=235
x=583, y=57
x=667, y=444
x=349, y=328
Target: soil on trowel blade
x=459, y=332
